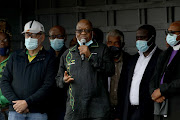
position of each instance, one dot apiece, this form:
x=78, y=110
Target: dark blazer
x=171, y=83
x=145, y=102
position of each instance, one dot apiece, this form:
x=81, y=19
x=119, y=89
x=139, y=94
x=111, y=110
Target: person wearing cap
x=29, y=76
x=5, y=38
x=57, y=38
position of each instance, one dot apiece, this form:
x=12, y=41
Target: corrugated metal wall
x=125, y=15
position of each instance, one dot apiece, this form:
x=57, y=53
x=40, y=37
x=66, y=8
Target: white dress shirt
x=141, y=65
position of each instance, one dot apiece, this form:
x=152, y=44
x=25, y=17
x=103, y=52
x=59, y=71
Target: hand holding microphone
x=84, y=50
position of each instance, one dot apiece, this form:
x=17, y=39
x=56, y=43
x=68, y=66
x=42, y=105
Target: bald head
x=175, y=26
x=84, y=22
x=84, y=30
x=57, y=30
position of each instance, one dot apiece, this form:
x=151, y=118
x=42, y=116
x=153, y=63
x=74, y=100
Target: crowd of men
x=90, y=80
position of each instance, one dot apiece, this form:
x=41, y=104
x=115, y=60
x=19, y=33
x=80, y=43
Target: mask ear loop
x=150, y=40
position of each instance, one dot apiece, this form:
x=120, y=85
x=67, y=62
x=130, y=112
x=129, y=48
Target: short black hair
x=151, y=30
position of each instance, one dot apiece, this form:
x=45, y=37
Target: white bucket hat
x=33, y=27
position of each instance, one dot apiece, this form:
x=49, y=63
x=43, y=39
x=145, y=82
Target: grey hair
x=115, y=33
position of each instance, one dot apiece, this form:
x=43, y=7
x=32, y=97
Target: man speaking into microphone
x=83, y=69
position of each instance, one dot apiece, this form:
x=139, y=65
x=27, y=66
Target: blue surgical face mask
x=142, y=45
x=87, y=44
x=57, y=44
x=31, y=43
x=171, y=39
x=4, y=51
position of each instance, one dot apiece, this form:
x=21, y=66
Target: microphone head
x=83, y=41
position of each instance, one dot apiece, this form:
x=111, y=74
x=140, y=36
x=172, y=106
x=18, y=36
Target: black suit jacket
x=171, y=83
x=145, y=102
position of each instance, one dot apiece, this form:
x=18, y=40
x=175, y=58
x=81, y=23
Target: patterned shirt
x=3, y=101
x=2, y=66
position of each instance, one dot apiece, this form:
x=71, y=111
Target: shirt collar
x=177, y=47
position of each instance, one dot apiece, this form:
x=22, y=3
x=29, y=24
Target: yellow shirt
x=31, y=58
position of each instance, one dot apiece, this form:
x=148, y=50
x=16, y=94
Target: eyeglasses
x=32, y=35
x=56, y=36
x=170, y=32
x=4, y=40
x=83, y=30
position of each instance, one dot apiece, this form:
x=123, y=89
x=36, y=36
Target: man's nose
x=83, y=32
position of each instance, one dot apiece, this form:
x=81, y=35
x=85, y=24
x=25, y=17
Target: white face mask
x=31, y=43
x=57, y=44
x=171, y=39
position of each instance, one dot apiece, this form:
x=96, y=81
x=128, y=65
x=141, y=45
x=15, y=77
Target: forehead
x=113, y=38
x=142, y=32
x=83, y=25
x=56, y=31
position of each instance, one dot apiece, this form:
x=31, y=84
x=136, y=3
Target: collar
x=5, y=59
x=40, y=53
x=177, y=47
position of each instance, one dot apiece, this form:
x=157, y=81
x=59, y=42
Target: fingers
x=156, y=94
x=14, y=101
x=65, y=73
x=160, y=100
x=83, y=49
x=26, y=110
x=68, y=79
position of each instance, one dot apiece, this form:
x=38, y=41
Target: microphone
x=83, y=41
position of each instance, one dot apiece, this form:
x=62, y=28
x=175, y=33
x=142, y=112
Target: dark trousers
x=159, y=117
x=134, y=113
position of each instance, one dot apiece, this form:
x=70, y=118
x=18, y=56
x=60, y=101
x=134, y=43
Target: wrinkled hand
x=67, y=78
x=20, y=106
x=83, y=49
x=156, y=94
x=160, y=100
